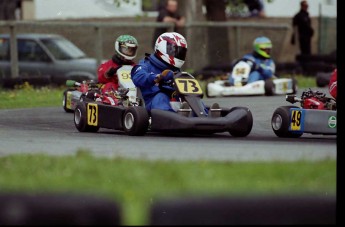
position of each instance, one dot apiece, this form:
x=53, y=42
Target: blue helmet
x=262, y=46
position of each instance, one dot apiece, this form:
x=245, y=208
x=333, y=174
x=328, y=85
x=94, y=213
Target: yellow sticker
x=285, y=86
x=125, y=75
x=240, y=71
x=68, y=100
x=92, y=114
x=296, y=119
x=190, y=86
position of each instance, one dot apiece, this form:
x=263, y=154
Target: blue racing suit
x=264, y=68
x=143, y=76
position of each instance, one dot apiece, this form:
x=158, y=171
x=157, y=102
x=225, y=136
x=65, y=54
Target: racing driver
x=125, y=51
x=169, y=55
x=263, y=66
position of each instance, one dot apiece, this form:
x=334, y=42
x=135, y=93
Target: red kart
x=74, y=91
x=317, y=115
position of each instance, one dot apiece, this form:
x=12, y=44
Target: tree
x=7, y=9
x=217, y=36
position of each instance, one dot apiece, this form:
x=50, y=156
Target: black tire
x=64, y=101
x=80, y=119
x=280, y=122
x=322, y=79
x=270, y=88
x=246, y=125
x=135, y=121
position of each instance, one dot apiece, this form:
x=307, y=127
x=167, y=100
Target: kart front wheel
x=270, y=87
x=80, y=119
x=135, y=121
x=280, y=122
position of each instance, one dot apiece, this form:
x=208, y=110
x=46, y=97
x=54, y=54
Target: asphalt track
x=52, y=131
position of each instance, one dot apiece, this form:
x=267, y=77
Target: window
x=29, y=50
x=63, y=49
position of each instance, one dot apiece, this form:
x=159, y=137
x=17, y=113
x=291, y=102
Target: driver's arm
x=142, y=77
x=268, y=70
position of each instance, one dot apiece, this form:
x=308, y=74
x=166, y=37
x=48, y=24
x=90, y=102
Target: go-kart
x=240, y=87
x=75, y=90
x=78, y=90
x=136, y=120
x=200, y=119
x=317, y=115
x=123, y=109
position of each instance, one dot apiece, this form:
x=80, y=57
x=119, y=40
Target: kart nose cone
x=277, y=122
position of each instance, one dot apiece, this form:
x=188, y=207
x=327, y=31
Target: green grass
x=26, y=96
x=135, y=184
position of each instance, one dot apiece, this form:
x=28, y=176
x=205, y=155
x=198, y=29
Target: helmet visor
x=128, y=50
x=176, y=51
x=266, y=50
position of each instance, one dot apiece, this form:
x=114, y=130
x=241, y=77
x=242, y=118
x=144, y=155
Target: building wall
x=28, y=10
x=69, y=9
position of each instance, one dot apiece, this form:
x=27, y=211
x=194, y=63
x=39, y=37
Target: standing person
x=168, y=13
x=255, y=7
x=125, y=51
x=302, y=29
x=168, y=57
x=263, y=66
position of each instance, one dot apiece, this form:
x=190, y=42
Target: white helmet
x=171, y=47
x=126, y=47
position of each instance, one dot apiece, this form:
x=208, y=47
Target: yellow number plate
x=92, y=114
x=297, y=120
x=190, y=86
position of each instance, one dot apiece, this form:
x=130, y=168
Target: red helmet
x=171, y=47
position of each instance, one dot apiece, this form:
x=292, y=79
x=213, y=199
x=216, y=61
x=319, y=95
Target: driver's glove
x=111, y=71
x=166, y=75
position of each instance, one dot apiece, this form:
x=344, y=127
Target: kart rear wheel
x=280, y=122
x=80, y=119
x=135, y=121
x=322, y=79
x=64, y=101
x=270, y=88
x=246, y=124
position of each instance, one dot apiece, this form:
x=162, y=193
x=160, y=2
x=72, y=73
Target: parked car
x=50, y=58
